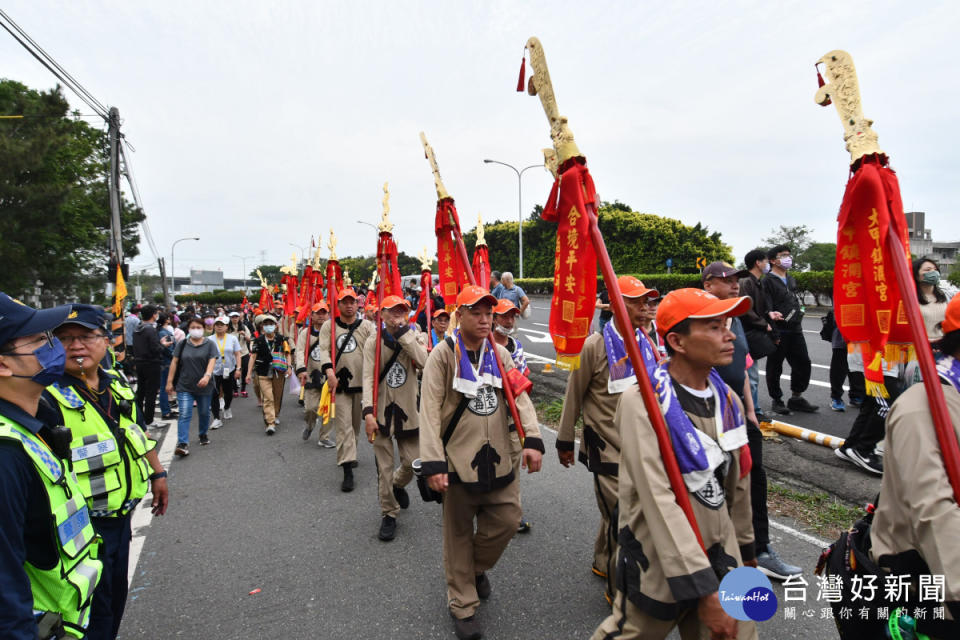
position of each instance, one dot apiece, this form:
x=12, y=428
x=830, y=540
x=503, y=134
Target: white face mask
x=196, y=333
x=269, y=328
x=766, y=267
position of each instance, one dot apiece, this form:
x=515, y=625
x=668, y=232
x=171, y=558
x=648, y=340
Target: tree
x=797, y=238
x=821, y=256
x=636, y=242
x=53, y=195
x=270, y=272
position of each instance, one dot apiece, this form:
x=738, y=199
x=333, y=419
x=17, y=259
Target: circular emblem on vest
x=350, y=347
x=315, y=353
x=397, y=375
x=486, y=402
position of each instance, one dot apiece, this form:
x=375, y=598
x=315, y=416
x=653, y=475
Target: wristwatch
x=158, y=475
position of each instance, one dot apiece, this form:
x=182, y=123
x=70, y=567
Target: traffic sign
x=701, y=262
x=669, y=262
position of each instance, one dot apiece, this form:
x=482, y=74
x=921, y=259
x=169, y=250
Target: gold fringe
x=876, y=389
x=568, y=363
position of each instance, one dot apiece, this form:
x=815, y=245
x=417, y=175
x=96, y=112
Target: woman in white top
x=226, y=370
x=933, y=302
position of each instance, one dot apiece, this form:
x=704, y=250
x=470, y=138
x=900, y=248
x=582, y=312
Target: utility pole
x=167, y=300
x=116, y=229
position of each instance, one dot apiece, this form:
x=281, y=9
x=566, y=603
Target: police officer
x=112, y=456
x=48, y=548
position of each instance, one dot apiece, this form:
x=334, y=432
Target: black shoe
x=799, y=403
x=403, y=498
x=182, y=449
x=169, y=416
x=388, y=528
x=779, y=407
x=870, y=462
x=483, y=586
x=524, y=526
x=204, y=439
x=467, y=628
x=347, y=485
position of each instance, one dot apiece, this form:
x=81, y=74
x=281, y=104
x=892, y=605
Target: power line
x=52, y=65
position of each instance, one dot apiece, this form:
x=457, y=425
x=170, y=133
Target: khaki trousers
x=347, y=421
x=638, y=625
x=271, y=393
x=605, y=546
x=390, y=476
x=311, y=400
x=468, y=552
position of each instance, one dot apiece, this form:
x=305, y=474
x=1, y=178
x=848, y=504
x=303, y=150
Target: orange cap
x=371, y=307
x=320, y=306
x=952, y=320
x=681, y=304
x=473, y=294
x=630, y=287
x=348, y=292
x=505, y=306
x=441, y=312
x=393, y=301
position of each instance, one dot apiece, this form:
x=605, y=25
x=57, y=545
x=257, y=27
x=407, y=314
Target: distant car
x=414, y=281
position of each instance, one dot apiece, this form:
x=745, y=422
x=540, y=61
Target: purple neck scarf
x=697, y=453
x=618, y=362
x=466, y=378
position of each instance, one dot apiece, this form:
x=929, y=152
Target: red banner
x=452, y=271
x=868, y=303
x=387, y=266
x=334, y=285
x=481, y=265
x=266, y=300
x=304, y=300
x=574, y=265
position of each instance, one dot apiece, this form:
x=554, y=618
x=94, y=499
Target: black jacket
x=756, y=319
x=783, y=298
x=146, y=344
x=263, y=349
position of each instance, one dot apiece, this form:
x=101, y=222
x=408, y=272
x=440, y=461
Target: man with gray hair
x=513, y=293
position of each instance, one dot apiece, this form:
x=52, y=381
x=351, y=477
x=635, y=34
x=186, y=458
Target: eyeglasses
x=45, y=337
x=87, y=339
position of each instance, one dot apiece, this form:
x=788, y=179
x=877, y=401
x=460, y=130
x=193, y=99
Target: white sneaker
x=276, y=422
x=227, y=414
x=216, y=424
x=271, y=430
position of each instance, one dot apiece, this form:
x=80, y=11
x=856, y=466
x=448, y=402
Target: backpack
x=829, y=324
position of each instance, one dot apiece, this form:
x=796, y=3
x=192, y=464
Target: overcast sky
x=257, y=124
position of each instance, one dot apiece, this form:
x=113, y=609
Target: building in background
x=922, y=243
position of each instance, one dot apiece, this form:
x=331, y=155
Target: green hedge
x=954, y=277
x=818, y=283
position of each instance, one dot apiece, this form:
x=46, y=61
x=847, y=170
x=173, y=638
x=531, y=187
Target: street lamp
x=519, y=173
x=173, y=282
x=243, y=259
x=303, y=251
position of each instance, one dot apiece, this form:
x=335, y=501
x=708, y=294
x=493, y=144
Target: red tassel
x=820, y=83
x=521, y=82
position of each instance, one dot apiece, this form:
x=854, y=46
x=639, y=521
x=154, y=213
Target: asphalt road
x=805, y=464
x=259, y=542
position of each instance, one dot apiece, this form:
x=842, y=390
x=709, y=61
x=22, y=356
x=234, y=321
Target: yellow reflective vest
x=66, y=589
x=111, y=467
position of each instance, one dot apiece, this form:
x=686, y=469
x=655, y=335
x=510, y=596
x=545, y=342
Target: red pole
x=381, y=272
x=650, y=400
x=426, y=283
x=507, y=389
x=332, y=295
x=946, y=436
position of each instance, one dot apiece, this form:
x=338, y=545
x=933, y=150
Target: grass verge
x=820, y=512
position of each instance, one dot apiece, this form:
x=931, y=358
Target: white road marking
x=800, y=535
x=143, y=514
x=541, y=324
x=796, y=533
x=815, y=383
x=536, y=336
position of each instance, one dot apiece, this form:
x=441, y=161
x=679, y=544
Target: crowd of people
x=449, y=407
